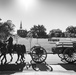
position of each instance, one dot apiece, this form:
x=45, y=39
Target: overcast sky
x=53, y=14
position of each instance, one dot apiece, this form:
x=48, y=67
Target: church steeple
x=21, y=25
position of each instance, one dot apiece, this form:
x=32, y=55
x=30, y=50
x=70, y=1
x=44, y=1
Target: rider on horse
x=10, y=43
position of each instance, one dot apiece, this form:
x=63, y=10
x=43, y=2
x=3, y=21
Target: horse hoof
x=16, y=62
x=1, y=63
x=5, y=63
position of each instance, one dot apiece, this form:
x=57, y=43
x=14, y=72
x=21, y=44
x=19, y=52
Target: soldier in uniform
x=10, y=41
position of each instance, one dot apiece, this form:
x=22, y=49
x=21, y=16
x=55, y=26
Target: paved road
x=59, y=68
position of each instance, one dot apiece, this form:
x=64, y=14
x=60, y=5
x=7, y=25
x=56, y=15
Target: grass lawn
x=43, y=42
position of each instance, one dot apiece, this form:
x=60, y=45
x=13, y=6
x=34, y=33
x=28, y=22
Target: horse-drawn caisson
x=66, y=50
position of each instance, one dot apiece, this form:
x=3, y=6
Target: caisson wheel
x=61, y=56
x=38, y=54
x=70, y=55
x=34, y=65
x=60, y=53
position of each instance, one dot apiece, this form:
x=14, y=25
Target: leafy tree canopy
x=55, y=33
x=71, y=29
x=6, y=29
x=39, y=31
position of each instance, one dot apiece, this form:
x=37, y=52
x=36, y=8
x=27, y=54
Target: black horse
x=20, y=50
x=5, y=48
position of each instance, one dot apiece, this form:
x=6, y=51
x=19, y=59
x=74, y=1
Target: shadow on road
x=11, y=68
x=69, y=66
x=42, y=67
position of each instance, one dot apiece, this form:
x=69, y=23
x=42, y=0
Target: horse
x=20, y=50
x=4, y=49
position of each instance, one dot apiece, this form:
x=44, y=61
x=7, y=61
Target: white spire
x=21, y=25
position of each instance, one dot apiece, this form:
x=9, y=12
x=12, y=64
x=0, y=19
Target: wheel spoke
x=61, y=55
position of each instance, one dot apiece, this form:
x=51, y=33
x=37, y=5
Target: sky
x=53, y=14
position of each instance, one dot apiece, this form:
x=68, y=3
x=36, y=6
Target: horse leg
x=22, y=57
x=0, y=57
x=2, y=60
x=5, y=58
x=17, y=58
x=11, y=57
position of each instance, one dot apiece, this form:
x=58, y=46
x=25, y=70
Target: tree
x=6, y=29
x=40, y=30
x=55, y=33
x=71, y=29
